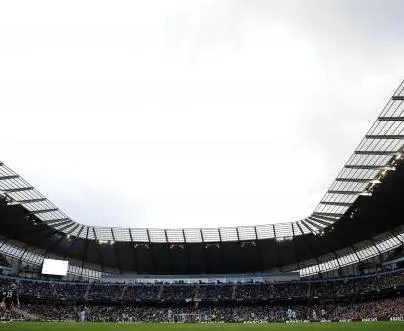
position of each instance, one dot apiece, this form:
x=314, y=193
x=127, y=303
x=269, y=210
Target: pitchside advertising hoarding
x=55, y=267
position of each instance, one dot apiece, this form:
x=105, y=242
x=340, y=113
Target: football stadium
x=341, y=267
x=233, y=165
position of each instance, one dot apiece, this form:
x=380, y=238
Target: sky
x=191, y=113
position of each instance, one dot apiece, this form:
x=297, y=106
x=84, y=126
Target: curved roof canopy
x=376, y=154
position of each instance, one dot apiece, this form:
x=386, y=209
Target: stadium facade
x=359, y=218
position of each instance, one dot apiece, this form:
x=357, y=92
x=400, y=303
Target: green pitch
x=37, y=326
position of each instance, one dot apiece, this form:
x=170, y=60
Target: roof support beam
x=117, y=256
x=278, y=251
x=30, y=200
x=309, y=246
x=300, y=227
x=391, y=119
x=22, y=255
x=186, y=251
x=314, y=223
x=346, y=192
x=374, y=244
x=323, y=221
x=83, y=259
x=376, y=152
x=61, y=223
x=295, y=248
x=259, y=250
x=61, y=238
x=80, y=231
x=17, y=189
x=397, y=236
x=153, y=258
x=43, y=211
x=371, y=167
x=9, y=177
x=98, y=248
x=135, y=260
x=56, y=220
x=358, y=180
x=72, y=229
x=62, y=229
x=73, y=240
x=306, y=226
x=397, y=97
x=328, y=214
x=325, y=218
x=384, y=136
x=329, y=203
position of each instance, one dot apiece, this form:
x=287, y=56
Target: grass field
x=354, y=326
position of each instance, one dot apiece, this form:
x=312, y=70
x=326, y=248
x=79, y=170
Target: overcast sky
x=191, y=113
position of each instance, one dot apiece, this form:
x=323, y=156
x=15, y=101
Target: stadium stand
x=372, y=296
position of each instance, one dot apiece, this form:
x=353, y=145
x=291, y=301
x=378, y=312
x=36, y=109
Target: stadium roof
x=370, y=180
x=375, y=155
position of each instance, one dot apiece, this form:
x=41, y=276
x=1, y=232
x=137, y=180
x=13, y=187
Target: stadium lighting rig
x=285, y=238
x=106, y=242
x=248, y=243
x=69, y=237
x=217, y=245
x=319, y=233
x=7, y=199
x=181, y=246
x=141, y=245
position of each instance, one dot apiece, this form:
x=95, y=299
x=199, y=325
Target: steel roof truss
x=364, y=152
x=43, y=211
x=384, y=136
x=316, y=225
x=358, y=180
x=56, y=220
x=372, y=167
x=17, y=189
x=345, y=192
x=9, y=177
x=31, y=200
x=328, y=214
x=60, y=223
x=322, y=220
x=390, y=119
x=332, y=203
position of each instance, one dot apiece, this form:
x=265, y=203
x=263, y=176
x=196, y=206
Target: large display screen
x=55, y=267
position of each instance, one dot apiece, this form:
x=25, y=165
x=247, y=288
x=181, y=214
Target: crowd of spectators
x=272, y=291
x=99, y=313
x=323, y=289
x=387, y=308
x=373, y=309
x=178, y=292
x=47, y=290
x=351, y=286
x=58, y=300
x=216, y=292
x=100, y=292
x=144, y=292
